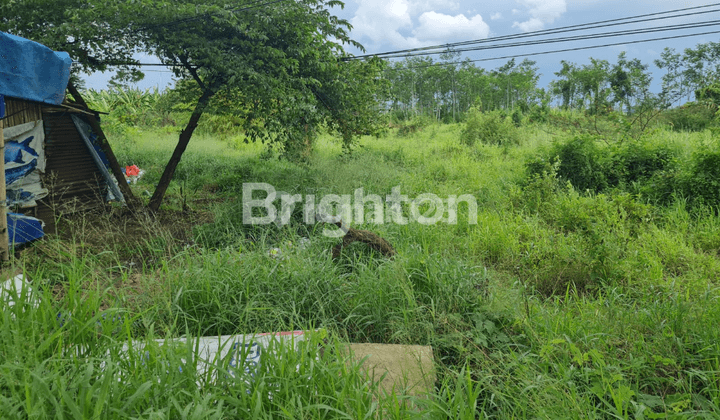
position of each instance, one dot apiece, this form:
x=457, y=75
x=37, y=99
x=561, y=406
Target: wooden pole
x=4, y=239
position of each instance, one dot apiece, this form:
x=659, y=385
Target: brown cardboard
x=408, y=369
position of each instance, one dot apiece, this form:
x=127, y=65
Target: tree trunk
x=183, y=141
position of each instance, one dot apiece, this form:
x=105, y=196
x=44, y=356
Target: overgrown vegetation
x=579, y=292
x=492, y=128
x=588, y=288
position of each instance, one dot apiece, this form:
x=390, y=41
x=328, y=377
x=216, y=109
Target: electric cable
x=627, y=32
x=558, y=51
x=572, y=28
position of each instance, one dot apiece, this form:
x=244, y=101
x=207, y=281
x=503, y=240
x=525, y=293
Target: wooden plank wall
x=19, y=112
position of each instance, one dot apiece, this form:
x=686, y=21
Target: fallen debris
x=18, y=289
x=237, y=354
x=373, y=240
x=133, y=173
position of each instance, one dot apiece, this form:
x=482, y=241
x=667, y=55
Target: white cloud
x=529, y=25
x=412, y=23
x=381, y=20
x=438, y=27
x=541, y=12
x=421, y=6
x=496, y=16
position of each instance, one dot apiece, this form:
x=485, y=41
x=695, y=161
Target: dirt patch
x=128, y=233
x=400, y=368
x=122, y=252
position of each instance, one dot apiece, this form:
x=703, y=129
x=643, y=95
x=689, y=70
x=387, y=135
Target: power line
x=548, y=41
x=558, y=51
x=532, y=42
x=572, y=28
x=572, y=38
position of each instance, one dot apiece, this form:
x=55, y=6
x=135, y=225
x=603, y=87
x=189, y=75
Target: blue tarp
x=22, y=229
x=32, y=71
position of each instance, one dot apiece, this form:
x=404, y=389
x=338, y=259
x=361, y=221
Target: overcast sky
x=388, y=25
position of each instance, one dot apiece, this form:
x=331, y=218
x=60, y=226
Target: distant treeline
x=445, y=89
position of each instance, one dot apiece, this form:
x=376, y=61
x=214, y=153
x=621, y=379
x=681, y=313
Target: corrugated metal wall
x=74, y=182
x=70, y=175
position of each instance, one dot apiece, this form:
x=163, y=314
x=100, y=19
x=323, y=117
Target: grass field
x=558, y=303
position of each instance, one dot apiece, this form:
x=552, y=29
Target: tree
x=566, y=86
x=689, y=73
x=281, y=58
x=630, y=82
x=524, y=82
x=284, y=61
x=672, y=80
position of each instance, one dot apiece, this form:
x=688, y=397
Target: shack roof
x=32, y=71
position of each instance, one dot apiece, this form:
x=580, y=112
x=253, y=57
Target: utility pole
x=4, y=238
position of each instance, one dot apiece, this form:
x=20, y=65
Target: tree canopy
x=89, y=30
x=281, y=61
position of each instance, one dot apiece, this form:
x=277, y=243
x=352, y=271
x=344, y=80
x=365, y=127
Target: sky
x=390, y=25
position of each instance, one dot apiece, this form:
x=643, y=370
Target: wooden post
x=4, y=239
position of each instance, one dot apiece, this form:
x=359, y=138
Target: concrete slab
x=408, y=369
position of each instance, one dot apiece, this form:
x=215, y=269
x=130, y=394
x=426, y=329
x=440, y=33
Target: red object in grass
x=132, y=170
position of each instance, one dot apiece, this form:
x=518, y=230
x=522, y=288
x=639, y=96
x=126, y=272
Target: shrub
x=636, y=167
x=703, y=184
x=517, y=117
x=583, y=164
x=698, y=184
x=640, y=161
x=662, y=187
x=541, y=186
x=489, y=128
x=413, y=125
x=690, y=117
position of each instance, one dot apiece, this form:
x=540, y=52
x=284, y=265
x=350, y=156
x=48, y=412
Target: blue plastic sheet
x=32, y=71
x=22, y=229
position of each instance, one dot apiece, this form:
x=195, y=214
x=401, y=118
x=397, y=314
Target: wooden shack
x=56, y=160
x=73, y=179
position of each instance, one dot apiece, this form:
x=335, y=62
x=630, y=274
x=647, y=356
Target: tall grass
x=558, y=303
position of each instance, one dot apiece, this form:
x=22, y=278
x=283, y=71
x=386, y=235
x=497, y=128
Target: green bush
x=703, y=184
x=662, y=187
x=640, y=161
x=582, y=163
x=412, y=125
x=698, y=182
x=489, y=128
x=517, y=117
x=690, y=117
x=637, y=167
